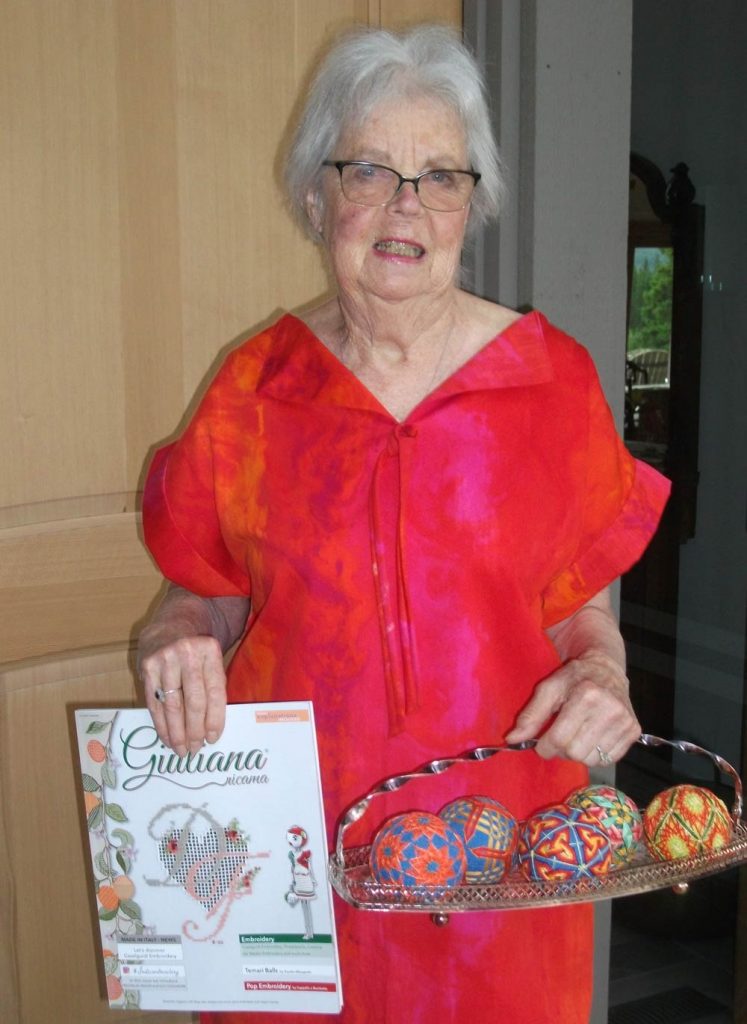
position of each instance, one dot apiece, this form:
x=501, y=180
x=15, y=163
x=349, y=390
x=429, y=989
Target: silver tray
x=351, y=877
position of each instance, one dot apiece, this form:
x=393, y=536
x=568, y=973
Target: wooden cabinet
x=143, y=234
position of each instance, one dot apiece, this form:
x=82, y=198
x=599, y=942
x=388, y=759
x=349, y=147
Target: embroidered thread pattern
x=207, y=860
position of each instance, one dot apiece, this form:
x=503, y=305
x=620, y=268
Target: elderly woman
x=408, y=503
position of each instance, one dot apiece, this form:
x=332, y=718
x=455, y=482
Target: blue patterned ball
x=489, y=833
x=417, y=848
x=563, y=844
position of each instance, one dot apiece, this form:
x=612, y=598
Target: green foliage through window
x=650, y=323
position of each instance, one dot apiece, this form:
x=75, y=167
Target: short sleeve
x=622, y=502
x=181, y=522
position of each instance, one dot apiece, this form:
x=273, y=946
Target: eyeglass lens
x=374, y=185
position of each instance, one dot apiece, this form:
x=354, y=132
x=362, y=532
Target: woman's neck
x=389, y=337
x=402, y=352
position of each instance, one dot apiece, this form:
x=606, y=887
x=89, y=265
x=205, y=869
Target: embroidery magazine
x=210, y=870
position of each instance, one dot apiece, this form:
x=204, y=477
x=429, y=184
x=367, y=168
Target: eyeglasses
x=369, y=184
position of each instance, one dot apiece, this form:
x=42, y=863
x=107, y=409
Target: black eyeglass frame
x=415, y=182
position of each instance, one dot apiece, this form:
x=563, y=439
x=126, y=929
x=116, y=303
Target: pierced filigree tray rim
x=350, y=875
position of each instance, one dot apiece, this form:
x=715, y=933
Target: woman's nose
x=405, y=200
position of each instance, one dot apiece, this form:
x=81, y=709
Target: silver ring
x=604, y=758
x=161, y=695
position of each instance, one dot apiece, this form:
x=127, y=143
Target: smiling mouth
x=396, y=248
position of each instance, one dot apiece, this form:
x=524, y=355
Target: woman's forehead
x=391, y=126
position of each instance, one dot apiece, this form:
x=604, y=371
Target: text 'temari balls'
x=685, y=821
x=563, y=844
x=616, y=813
x=418, y=848
x=489, y=834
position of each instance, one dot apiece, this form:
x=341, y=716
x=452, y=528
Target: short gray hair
x=369, y=66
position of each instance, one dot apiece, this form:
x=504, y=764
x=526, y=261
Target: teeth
x=399, y=248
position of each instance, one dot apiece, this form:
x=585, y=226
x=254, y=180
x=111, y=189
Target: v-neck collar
x=301, y=368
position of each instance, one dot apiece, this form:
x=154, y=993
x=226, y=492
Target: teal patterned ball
x=618, y=816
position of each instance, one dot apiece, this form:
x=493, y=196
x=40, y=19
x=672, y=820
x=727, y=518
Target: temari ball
x=418, y=848
x=563, y=844
x=617, y=814
x=684, y=821
x=489, y=834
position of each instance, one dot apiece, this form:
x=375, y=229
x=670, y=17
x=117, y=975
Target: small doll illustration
x=303, y=883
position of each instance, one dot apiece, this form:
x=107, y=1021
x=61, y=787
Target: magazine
x=210, y=870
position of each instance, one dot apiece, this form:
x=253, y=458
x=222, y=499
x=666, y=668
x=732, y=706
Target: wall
x=561, y=83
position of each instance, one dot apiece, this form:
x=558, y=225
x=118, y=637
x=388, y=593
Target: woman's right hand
x=180, y=658
x=188, y=673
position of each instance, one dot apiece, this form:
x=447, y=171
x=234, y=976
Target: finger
x=150, y=678
x=593, y=718
x=215, y=691
x=172, y=705
x=617, y=744
x=195, y=704
x=546, y=700
x=571, y=735
x=203, y=680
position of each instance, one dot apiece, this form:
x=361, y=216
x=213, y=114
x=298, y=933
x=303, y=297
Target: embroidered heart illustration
x=207, y=866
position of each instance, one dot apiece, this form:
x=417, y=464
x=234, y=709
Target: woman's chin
x=405, y=280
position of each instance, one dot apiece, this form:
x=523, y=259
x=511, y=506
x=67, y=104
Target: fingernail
x=212, y=736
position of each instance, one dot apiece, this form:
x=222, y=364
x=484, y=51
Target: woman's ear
x=315, y=210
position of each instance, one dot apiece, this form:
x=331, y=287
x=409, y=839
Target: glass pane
x=648, y=348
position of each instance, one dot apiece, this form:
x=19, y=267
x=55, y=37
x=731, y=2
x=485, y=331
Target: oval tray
x=351, y=877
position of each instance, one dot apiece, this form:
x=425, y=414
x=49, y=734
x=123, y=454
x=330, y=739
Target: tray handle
x=647, y=740
x=356, y=811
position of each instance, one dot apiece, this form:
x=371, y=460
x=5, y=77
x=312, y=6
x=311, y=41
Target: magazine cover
x=210, y=870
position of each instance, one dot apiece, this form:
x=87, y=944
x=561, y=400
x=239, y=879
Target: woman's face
x=401, y=250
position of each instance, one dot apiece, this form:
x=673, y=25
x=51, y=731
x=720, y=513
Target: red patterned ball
x=616, y=813
x=685, y=821
x=563, y=844
x=418, y=848
x=489, y=834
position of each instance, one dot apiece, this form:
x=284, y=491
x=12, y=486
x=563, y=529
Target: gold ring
x=604, y=758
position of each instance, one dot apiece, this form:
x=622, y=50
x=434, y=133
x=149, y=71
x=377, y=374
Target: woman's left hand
x=595, y=722
x=587, y=697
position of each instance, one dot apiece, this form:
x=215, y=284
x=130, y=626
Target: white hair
x=369, y=66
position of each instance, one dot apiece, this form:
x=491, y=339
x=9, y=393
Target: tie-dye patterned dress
x=401, y=576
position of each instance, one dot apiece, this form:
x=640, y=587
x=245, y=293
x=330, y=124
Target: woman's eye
x=368, y=172
x=444, y=179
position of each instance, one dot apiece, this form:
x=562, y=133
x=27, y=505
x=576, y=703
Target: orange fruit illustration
x=124, y=887
x=91, y=801
x=96, y=751
x=107, y=897
x=113, y=987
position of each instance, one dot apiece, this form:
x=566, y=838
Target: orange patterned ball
x=685, y=821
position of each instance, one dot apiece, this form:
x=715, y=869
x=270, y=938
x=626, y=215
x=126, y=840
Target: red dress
x=402, y=575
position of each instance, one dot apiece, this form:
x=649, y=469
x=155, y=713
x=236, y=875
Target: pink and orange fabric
x=401, y=576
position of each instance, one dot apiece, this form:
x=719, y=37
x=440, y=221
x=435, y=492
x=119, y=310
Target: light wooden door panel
x=51, y=971
x=143, y=234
